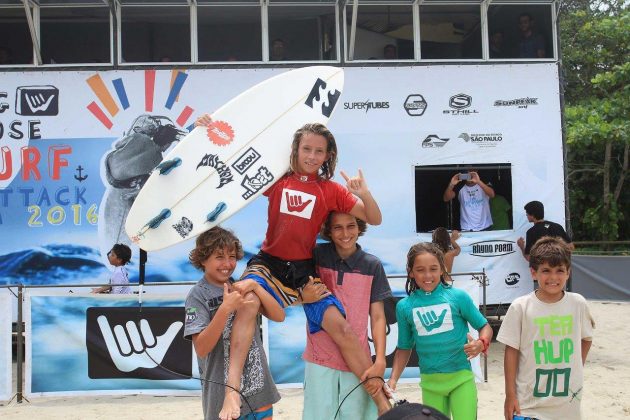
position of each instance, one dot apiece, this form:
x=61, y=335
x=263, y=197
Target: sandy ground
x=606, y=395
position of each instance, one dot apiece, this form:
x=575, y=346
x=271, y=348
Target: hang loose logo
x=297, y=203
x=430, y=320
x=294, y=203
x=434, y=319
x=131, y=348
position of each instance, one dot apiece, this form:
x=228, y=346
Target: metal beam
x=33, y=31
x=353, y=29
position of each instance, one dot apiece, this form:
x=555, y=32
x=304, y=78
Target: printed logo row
x=461, y=104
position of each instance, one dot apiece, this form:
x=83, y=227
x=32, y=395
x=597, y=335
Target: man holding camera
x=474, y=200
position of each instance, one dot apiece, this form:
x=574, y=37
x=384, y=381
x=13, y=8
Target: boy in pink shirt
x=358, y=280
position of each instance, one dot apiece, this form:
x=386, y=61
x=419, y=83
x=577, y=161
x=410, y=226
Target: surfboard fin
x=168, y=165
x=155, y=222
x=220, y=208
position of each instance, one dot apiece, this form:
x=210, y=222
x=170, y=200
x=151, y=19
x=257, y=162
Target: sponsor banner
x=285, y=342
x=489, y=120
x=6, y=303
x=76, y=147
x=107, y=344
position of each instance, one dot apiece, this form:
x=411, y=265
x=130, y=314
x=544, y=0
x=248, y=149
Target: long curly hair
x=419, y=249
x=327, y=170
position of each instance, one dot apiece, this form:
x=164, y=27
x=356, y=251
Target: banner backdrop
x=6, y=303
x=108, y=344
x=104, y=344
x=286, y=341
x=76, y=146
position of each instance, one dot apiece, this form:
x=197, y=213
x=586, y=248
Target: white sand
x=606, y=391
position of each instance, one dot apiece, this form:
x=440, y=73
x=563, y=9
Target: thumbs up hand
x=473, y=347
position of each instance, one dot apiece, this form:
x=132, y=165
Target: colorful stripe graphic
x=183, y=117
x=120, y=91
x=108, y=102
x=174, y=74
x=149, y=87
x=99, y=114
x=176, y=87
x=102, y=93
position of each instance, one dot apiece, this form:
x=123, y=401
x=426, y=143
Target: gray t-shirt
x=256, y=384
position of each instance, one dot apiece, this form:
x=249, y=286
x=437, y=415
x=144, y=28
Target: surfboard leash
x=394, y=397
x=183, y=375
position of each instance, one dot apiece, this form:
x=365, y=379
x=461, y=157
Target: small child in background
x=434, y=318
x=118, y=256
x=448, y=245
x=358, y=280
x=210, y=308
x=543, y=363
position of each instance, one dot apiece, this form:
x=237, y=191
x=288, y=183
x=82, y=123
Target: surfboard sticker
x=215, y=171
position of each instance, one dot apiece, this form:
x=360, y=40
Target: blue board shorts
x=263, y=269
x=315, y=312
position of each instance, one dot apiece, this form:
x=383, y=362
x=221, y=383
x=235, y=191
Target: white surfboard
x=215, y=171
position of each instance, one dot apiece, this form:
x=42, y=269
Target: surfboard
x=215, y=171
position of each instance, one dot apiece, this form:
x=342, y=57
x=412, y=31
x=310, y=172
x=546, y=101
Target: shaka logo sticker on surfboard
x=216, y=171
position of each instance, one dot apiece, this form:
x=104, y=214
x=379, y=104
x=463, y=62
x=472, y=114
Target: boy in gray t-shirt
x=210, y=308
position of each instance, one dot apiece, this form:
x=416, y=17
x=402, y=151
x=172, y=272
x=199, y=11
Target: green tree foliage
x=595, y=46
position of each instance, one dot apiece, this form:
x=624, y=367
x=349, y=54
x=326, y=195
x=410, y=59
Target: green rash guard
x=437, y=323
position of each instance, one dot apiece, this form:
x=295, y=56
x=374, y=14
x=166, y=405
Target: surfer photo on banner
x=127, y=167
x=299, y=202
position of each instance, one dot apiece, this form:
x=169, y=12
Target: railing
x=602, y=247
x=480, y=277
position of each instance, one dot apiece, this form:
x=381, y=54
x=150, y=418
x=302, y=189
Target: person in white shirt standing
x=474, y=200
x=118, y=256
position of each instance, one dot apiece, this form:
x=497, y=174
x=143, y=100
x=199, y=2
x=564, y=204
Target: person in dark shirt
x=496, y=46
x=531, y=44
x=535, y=211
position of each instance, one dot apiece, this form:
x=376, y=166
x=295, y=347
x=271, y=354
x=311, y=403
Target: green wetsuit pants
x=451, y=393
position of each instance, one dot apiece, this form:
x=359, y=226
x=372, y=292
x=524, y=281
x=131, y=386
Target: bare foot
x=231, y=406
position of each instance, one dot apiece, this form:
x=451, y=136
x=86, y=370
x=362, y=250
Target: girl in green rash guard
x=434, y=318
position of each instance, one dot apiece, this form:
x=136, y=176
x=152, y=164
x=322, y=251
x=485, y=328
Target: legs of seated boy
x=326, y=388
x=334, y=323
x=243, y=328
